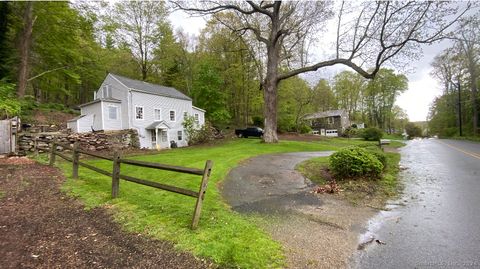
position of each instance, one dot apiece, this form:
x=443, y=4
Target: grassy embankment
x=224, y=236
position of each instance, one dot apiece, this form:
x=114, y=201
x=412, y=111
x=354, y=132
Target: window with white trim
x=157, y=114
x=172, y=115
x=112, y=112
x=139, y=112
x=180, y=135
x=196, y=118
x=185, y=115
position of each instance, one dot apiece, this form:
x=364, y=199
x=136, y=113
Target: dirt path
x=316, y=230
x=40, y=227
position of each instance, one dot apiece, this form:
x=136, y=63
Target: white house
x=156, y=112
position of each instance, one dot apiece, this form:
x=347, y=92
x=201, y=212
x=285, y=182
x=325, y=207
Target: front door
x=153, y=134
x=163, y=138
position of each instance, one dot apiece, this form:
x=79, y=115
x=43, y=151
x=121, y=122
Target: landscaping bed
x=367, y=191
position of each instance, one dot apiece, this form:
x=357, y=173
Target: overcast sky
x=422, y=88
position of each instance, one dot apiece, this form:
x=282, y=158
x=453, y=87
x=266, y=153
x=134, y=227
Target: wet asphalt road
x=436, y=221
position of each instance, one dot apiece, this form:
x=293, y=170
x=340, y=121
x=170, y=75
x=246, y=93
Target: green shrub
x=304, y=129
x=371, y=134
x=350, y=132
x=373, y=149
x=413, y=130
x=198, y=134
x=354, y=162
x=257, y=121
x=380, y=156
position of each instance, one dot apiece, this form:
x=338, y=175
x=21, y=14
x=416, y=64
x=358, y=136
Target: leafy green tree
x=295, y=100
x=348, y=88
x=381, y=94
x=413, y=130
x=138, y=25
x=373, y=35
x=208, y=94
x=9, y=105
x=323, y=97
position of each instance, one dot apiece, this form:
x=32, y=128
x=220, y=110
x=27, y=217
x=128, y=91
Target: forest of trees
x=59, y=52
x=455, y=112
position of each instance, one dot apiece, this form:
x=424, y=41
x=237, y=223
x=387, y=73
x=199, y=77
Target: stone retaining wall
x=98, y=141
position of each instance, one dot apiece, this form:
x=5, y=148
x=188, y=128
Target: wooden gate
x=5, y=136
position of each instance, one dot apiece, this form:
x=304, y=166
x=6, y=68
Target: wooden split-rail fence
x=116, y=175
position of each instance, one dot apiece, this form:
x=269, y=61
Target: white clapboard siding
x=95, y=110
x=85, y=123
x=149, y=102
x=201, y=115
x=120, y=92
x=111, y=124
x=72, y=125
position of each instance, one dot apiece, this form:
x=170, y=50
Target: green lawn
x=223, y=235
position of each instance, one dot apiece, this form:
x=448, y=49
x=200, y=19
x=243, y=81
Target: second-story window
x=196, y=118
x=185, y=114
x=157, y=114
x=172, y=115
x=139, y=113
x=107, y=91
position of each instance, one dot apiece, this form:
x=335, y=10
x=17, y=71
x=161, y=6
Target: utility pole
x=459, y=108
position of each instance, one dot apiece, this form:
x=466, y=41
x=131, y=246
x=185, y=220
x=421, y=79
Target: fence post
x=115, y=174
x=53, y=150
x=75, y=157
x=201, y=193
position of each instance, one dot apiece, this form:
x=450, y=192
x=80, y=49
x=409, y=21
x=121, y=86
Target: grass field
x=223, y=235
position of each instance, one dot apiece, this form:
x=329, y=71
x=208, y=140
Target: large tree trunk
x=270, y=96
x=25, y=41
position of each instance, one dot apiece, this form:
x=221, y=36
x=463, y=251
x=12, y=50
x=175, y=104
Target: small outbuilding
x=8, y=135
x=328, y=123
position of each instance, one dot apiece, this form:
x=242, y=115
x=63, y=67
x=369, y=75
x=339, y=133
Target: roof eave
x=197, y=108
x=159, y=94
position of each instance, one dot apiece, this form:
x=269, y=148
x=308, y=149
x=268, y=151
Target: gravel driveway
x=316, y=230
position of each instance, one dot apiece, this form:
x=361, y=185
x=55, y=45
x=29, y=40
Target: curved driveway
x=269, y=183
x=317, y=231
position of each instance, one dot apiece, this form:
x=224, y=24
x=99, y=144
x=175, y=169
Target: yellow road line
x=473, y=154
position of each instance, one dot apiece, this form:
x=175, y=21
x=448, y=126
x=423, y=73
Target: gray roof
x=151, y=88
x=157, y=124
x=76, y=118
x=113, y=100
x=325, y=114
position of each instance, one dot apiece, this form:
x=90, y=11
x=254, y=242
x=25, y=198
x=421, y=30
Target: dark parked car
x=250, y=131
